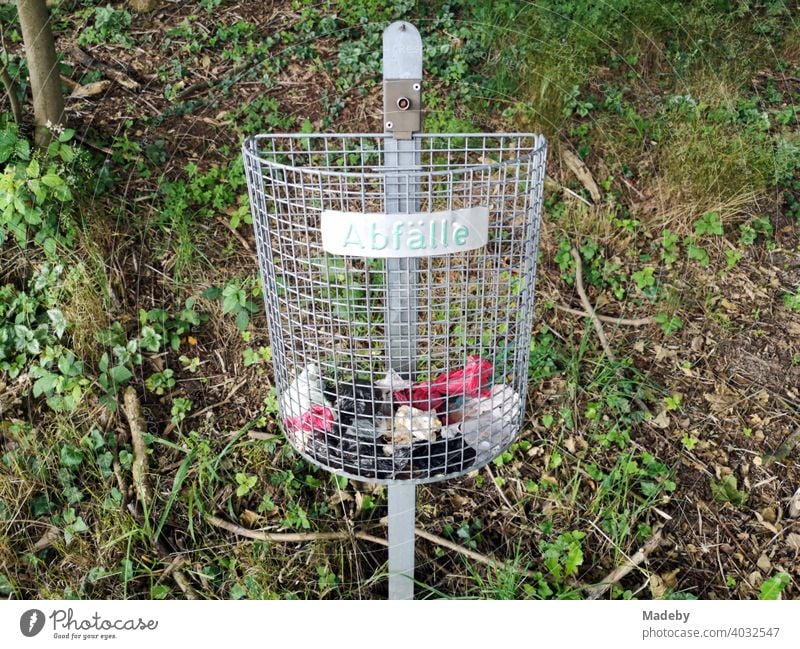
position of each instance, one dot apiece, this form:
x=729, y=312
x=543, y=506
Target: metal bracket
x=402, y=107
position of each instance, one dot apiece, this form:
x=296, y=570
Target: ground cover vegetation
x=139, y=439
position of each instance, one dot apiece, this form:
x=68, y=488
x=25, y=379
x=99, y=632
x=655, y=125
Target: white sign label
x=419, y=234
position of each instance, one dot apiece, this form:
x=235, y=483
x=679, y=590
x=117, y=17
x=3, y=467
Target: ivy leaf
x=23, y=149
x=696, y=252
x=709, y=223
x=6, y=588
x=58, y=321
x=45, y=384
x=8, y=138
x=79, y=525
x=212, y=293
x=71, y=456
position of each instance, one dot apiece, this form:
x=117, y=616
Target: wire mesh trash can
x=400, y=336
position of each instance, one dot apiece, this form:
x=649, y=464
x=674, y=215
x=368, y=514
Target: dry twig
x=300, y=537
x=144, y=493
x=133, y=411
x=88, y=61
x=598, y=327
x=290, y=537
x=629, y=322
x=587, y=306
x=620, y=572
x=471, y=554
x=51, y=535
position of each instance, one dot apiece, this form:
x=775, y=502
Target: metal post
x=402, y=79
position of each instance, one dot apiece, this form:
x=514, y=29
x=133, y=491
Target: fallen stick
x=290, y=537
x=173, y=569
x=88, y=61
x=144, y=494
x=133, y=411
x=51, y=535
x=582, y=173
x=587, y=306
x=475, y=556
x=556, y=186
x=300, y=537
x=598, y=327
x=630, y=322
x=236, y=234
x=619, y=573
x=503, y=497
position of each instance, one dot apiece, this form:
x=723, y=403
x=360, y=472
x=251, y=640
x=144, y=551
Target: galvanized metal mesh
x=459, y=397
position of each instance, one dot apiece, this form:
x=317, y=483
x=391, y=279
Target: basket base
x=421, y=462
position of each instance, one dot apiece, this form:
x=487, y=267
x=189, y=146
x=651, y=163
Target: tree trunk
x=40, y=50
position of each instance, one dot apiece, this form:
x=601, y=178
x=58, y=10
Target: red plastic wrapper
x=318, y=418
x=421, y=396
x=470, y=381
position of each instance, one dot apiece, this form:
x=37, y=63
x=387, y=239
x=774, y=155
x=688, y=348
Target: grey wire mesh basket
x=389, y=367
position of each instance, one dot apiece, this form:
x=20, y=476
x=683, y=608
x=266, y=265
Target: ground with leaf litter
x=682, y=441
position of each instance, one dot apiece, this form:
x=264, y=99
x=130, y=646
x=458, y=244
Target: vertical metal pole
x=402, y=60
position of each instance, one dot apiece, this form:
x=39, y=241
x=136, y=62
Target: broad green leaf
x=71, y=456
x=774, y=586
x=242, y=320
x=52, y=180
x=33, y=169
x=120, y=374
x=233, y=299
x=727, y=491
x=58, y=321
x=23, y=149
x=45, y=384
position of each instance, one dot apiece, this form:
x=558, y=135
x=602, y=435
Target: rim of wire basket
x=539, y=146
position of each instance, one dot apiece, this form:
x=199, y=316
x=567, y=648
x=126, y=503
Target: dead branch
x=582, y=173
x=51, y=535
x=290, y=537
x=88, y=61
x=177, y=575
x=610, y=319
x=587, y=306
x=553, y=185
x=300, y=537
x=133, y=411
x=471, y=554
x=622, y=571
x=598, y=327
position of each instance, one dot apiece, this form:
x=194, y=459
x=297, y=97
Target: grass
x=687, y=120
